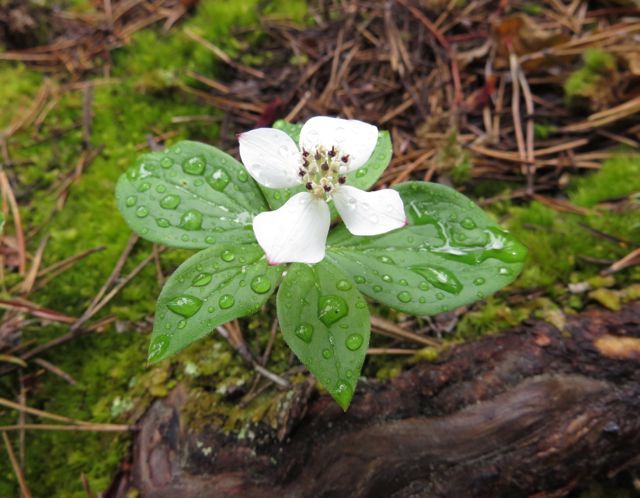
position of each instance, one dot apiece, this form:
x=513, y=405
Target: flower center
x=322, y=169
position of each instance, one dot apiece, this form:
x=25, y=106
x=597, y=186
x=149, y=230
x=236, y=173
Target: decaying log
x=532, y=411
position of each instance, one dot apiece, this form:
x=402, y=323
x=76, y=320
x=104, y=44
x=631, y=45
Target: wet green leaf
x=191, y=195
x=362, y=178
x=218, y=284
x=325, y=321
x=450, y=254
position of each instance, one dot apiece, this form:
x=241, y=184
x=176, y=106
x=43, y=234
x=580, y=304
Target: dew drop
x=361, y=172
x=226, y=301
x=343, y=285
x=142, y=212
x=423, y=286
x=219, y=180
x=131, y=201
x=386, y=259
x=479, y=281
x=243, y=176
x=184, y=237
x=182, y=324
x=361, y=305
x=360, y=279
x=480, y=294
x=404, y=297
x=227, y=256
x=342, y=394
x=158, y=346
x=422, y=300
x=468, y=223
x=170, y=201
x=354, y=342
x=191, y=220
x=501, y=271
x=260, y=284
x=387, y=278
x=193, y=165
x=201, y=279
x=144, y=186
x=331, y=309
x=304, y=332
x=166, y=162
x=211, y=309
x=185, y=305
x=377, y=288
x=209, y=239
x=161, y=189
x=439, y=277
x=163, y=222
x=327, y=354
x=277, y=196
x=440, y=296
x=403, y=282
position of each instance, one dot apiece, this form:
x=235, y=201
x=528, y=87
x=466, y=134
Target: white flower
x=329, y=149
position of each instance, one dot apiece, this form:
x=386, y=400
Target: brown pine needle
x=24, y=489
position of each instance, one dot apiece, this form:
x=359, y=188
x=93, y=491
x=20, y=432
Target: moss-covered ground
x=113, y=381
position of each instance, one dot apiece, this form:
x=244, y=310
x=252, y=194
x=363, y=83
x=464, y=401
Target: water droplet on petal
x=185, y=305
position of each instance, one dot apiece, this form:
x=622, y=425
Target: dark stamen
x=305, y=153
x=301, y=172
x=345, y=158
x=327, y=188
x=308, y=186
x=325, y=167
x=342, y=179
x=318, y=156
x=332, y=152
x=305, y=163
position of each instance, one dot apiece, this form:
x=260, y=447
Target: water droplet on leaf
x=226, y=301
x=158, y=346
x=170, y=201
x=439, y=277
x=201, y=279
x=193, y=165
x=185, y=305
x=227, y=256
x=343, y=285
x=304, y=332
x=142, y=211
x=219, y=180
x=404, y=297
x=191, y=220
x=354, y=341
x=131, y=201
x=260, y=284
x=331, y=309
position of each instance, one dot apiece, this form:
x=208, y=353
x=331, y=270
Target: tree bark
x=532, y=411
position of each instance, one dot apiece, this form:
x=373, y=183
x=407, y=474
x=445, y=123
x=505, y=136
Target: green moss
x=113, y=381
x=592, y=78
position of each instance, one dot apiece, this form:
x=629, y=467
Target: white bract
x=329, y=149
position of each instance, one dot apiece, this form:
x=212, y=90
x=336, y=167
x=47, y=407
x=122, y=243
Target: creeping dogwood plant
x=421, y=248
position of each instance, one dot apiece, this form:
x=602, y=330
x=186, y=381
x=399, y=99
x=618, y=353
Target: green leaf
x=362, y=178
x=216, y=285
x=191, y=195
x=325, y=322
x=450, y=254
